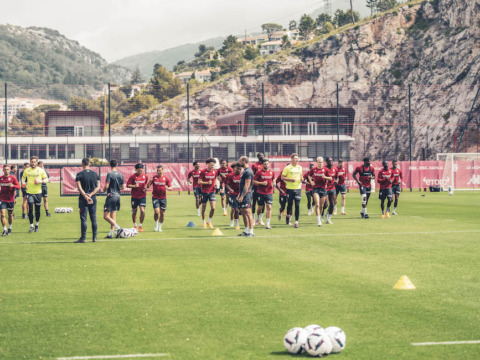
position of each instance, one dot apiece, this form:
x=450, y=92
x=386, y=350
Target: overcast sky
x=119, y=28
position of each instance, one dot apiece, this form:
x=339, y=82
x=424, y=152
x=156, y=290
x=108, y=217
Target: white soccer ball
x=338, y=337
x=318, y=344
x=450, y=193
x=63, y=210
x=294, y=340
x=133, y=231
x=313, y=327
x=125, y=233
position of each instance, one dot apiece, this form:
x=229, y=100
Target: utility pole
x=6, y=126
x=109, y=126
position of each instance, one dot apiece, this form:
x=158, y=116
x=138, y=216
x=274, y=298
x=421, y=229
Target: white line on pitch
x=256, y=236
x=111, y=356
x=447, y=343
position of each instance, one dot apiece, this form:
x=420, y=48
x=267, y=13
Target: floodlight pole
x=6, y=126
x=109, y=127
x=188, y=130
x=338, y=124
x=263, y=119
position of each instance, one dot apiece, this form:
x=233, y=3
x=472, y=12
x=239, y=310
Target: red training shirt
x=317, y=176
x=257, y=166
x=308, y=186
x=207, y=175
x=397, y=176
x=233, y=180
x=384, y=178
x=267, y=176
x=330, y=184
x=223, y=173
x=365, y=174
x=341, y=175
x=160, y=184
x=194, y=174
x=7, y=193
x=141, y=180
x=283, y=185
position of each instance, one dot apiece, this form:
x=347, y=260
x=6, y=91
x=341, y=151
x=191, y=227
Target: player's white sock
x=110, y=233
x=140, y=225
x=116, y=227
x=135, y=224
x=232, y=223
x=319, y=220
x=36, y=224
x=160, y=226
x=343, y=209
x=5, y=228
x=224, y=209
x=247, y=230
x=335, y=208
x=268, y=222
x=10, y=226
x=365, y=211
x=204, y=221
x=251, y=231
x=198, y=212
x=210, y=220
x=260, y=217
x=237, y=222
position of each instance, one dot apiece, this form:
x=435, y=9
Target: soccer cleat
x=135, y=226
x=48, y=214
x=366, y=216
x=225, y=213
x=309, y=212
x=268, y=227
x=243, y=234
x=335, y=212
x=140, y=229
x=261, y=223
x=387, y=215
x=9, y=232
x=94, y=239
x=343, y=213
x=362, y=215
x=159, y=229
x=232, y=224
x=280, y=217
x=296, y=226
x=383, y=216
x=394, y=213
x=31, y=229
x=204, y=225
x=108, y=237
x=79, y=241
x=23, y=216
x=320, y=224
x=36, y=228
x=210, y=225
x=4, y=233
x=118, y=232
x=250, y=235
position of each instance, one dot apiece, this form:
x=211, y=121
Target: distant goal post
x=461, y=171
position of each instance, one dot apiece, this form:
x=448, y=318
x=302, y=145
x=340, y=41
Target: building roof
x=274, y=42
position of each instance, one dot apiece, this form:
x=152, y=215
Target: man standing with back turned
x=88, y=184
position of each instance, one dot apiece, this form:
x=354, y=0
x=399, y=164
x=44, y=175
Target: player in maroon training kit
x=264, y=179
x=223, y=172
x=137, y=183
x=8, y=184
x=385, y=179
x=232, y=184
x=330, y=175
x=308, y=190
x=396, y=184
x=161, y=184
x=282, y=194
x=197, y=189
x=255, y=167
x=367, y=173
x=340, y=186
x=207, y=181
x=318, y=181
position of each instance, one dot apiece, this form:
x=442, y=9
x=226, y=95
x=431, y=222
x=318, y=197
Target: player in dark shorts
x=367, y=173
x=340, y=186
x=45, y=190
x=385, y=179
x=8, y=186
x=255, y=167
x=197, y=189
x=24, y=192
x=161, y=184
x=316, y=177
x=330, y=175
x=137, y=183
x=207, y=181
x=308, y=190
x=264, y=179
x=396, y=184
x=223, y=172
x=245, y=197
x=232, y=184
x=114, y=184
x=282, y=194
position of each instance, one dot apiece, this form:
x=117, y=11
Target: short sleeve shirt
x=88, y=179
x=246, y=175
x=293, y=172
x=115, y=181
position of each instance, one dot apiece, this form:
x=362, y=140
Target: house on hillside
x=184, y=77
x=203, y=75
x=270, y=47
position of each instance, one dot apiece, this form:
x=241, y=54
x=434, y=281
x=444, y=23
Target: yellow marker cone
x=217, y=232
x=404, y=284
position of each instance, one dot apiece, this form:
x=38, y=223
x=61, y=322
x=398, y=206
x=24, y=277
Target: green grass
x=194, y=296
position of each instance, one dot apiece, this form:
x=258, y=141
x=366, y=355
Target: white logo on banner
x=435, y=182
x=475, y=180
x=183, y=171
x=350, y=168
x=175, y=184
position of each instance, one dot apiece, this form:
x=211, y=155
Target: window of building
x=65, y=130
x=71, y=151
x=61, y=151
x=52, y=151
x=287, y=128
x=78, y=131
x=14, y=152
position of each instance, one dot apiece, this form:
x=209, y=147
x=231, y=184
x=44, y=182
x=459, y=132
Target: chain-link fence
x=63, y=124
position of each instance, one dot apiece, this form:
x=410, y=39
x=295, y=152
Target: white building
x=15, y=104
x=270, y=47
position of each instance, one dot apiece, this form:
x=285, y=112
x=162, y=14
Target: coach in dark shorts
x=88, y=184
x=245, y=197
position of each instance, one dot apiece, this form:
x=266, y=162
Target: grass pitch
x=187, y=294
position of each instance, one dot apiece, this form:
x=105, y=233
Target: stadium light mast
x=263, y=119
x=188, y=129
x=6, y=126
x=109, y=126
x=338, y=124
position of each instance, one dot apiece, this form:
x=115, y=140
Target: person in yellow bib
x=292, y=175
x=32, y=179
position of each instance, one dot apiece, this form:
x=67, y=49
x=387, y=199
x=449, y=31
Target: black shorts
x=247, y=201
x=282, y=199
x=34, y=199
x=385, y=193
x=159, y=203
x=206, y=197
x=24, y=192
x=396, y=189
x=222, y=191
x=365, y=190
x=112, y=203
x=44, y=190
x=309, y=193
x=7, y=205
x=197, y=191
x=139, y=202
x=232, y=201
x=297, y=194
x=265, y=199
x=340, y=189
x=321, y=192
x=331, y=192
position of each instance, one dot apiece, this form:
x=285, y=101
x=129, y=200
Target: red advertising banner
x=416, y=174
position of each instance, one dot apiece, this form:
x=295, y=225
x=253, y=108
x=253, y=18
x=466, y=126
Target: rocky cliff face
x=433, y=47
